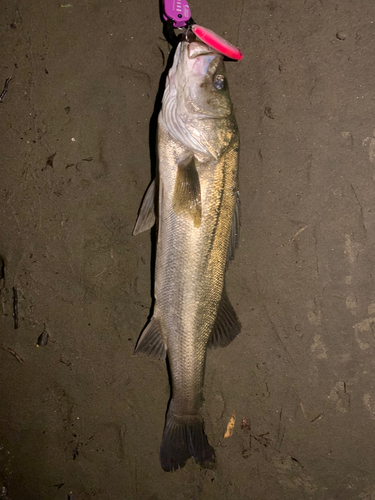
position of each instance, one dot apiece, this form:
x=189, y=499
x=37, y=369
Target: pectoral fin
x=187, y=191
x=227, y=326
x=150, y=342
x=146, y=216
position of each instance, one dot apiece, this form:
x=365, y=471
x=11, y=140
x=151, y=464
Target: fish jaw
x=174, y=117
x=198, y=57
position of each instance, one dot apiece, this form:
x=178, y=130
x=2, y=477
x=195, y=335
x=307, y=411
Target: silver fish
x=197, y=214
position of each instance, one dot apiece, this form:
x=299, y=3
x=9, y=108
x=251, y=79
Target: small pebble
x=341, y=35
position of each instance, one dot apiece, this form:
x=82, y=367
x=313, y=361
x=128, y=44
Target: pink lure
x=216, y=42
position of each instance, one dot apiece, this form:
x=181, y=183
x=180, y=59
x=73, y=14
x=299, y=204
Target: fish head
x=201, y=81
x=197, y=109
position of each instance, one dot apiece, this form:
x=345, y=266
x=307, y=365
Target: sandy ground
x=79, y=417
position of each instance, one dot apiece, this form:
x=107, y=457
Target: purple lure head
x=177, y=11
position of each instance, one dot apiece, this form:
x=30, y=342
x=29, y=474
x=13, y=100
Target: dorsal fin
x=146, y=216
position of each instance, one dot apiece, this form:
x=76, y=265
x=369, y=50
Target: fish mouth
x=189, y=51
x=198, y=58
x=197, y=49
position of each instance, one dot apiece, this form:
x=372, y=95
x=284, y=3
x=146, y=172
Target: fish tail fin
x=183, y=438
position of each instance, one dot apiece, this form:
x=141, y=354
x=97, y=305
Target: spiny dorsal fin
x=226, y=327
x=150, y=342
x=146, y=216
x=235, y=231
x=187, y=191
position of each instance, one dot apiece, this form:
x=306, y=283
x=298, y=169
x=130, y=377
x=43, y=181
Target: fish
x=194, y=200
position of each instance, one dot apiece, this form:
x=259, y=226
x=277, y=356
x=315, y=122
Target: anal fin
x=227, y=325
x=150, y=342
x=235, y=231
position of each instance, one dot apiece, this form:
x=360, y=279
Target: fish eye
x=219, y=82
